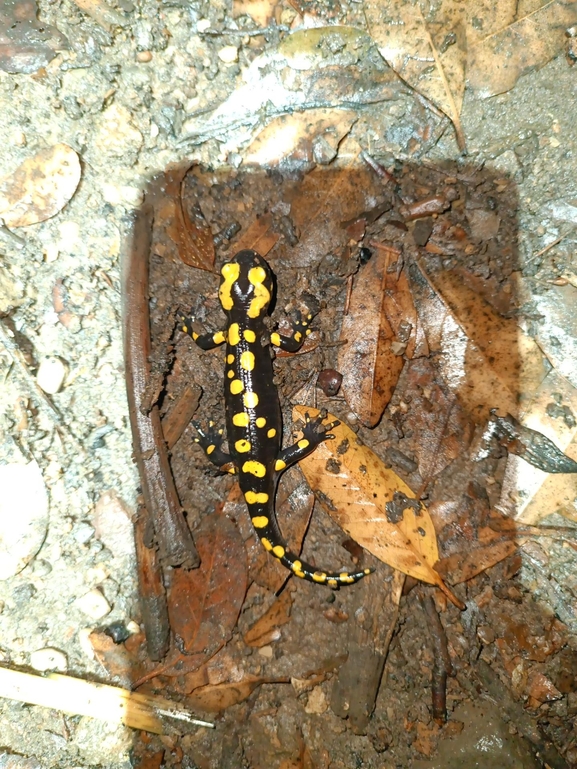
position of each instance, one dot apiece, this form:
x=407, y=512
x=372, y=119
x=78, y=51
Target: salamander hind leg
x=210, y=439
x=314, y=433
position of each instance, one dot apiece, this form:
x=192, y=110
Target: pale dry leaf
x=40, y=187
x=528, y=493
x=372, y=504
x=425, y=44
x=297, y=132
x=484, y=17
x=497, y=61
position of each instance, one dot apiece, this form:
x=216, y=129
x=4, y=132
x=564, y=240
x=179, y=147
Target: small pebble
x=94, y=604
x=317, y=702
x=329, y=381
x=144, y=56
x=83, y=533
x=48, y=659
x=51, y=375
x=228, y=54
x=266, y=651
x=202, y=25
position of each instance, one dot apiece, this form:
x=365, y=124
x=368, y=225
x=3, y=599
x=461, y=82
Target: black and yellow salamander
x=253, y=415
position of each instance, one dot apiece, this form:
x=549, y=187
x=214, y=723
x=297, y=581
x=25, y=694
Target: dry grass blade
x=372, y=504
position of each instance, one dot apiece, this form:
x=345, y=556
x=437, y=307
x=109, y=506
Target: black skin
x=253, y=414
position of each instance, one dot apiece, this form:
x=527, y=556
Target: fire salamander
x=253, y=415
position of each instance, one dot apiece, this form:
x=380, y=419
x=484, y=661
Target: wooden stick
x=86, y=698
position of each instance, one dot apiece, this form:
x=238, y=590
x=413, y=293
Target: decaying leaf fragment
x=504, y=53
x=204, y=603
x=188, y=229
x=40, y=187
x=532, y=445
x=425, y=44
x=372, y=504
x=369, y=366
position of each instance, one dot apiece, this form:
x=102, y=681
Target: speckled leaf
x=369, y=366
x=372, y=504
x=486, y=359
x=498, y=59
x=189, y=229
x=425, y=44
x=40, y=187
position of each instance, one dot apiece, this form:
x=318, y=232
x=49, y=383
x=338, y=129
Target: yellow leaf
x=372, y=504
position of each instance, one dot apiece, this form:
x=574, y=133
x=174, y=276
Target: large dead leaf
x=485, y=359
x=519, y=45
x=204, y=603
x=425, y=44
x=372, y=504
x=40, y=187
x=370, y=367
x=528, y=493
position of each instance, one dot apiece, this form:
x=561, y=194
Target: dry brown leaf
x=425, y=44
x=461, y=567
x=259, y=236
x=188, y=227
x=369, y=366
x=213, y=699
x=204, y=603
x=266, y=628
x=498, y=60
x=40, y=187
x=486, y=359
x=313, y=135
x=372, y=504
x=401, y=314
x=529, y=494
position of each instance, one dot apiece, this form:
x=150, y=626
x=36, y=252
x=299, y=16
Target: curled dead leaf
x=40, y=187
x=372, y=504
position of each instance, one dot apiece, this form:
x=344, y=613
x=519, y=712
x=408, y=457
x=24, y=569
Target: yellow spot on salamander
x=195, y=335
x=271, y=433
x=303, y=443
x=297, y=566
x=233, y=334
x=259, y=521
x=230, y=358
x=242, y=446
x=236, y=386
x=260, y=422
x=241, y=420
x=219, y=337
x=230, y=273
x=275, y=339
x=250, y=400
x=345, y=577
x=254, y=468
x=249, y=335
x=298, y=336
x=257, y=276
x=266, y=544
x=279, y=465
x=256, y=498
x=247, y=360
x=308, y=331
x=230, y=374
x=210, y=449
x=319, y=576
x=185, y=329
x=300, y=574
x=332, y=583
x=279, y=551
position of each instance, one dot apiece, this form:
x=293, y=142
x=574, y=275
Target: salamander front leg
x=300, y=329
x=205, y=341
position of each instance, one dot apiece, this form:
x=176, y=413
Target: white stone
x=51, y=374
x=202, y=25
x=94, y=604
x=228, y=54
x=48, y=659
x=23, y=516
x=317, y=701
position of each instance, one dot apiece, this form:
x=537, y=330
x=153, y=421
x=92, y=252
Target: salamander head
x=246, y=284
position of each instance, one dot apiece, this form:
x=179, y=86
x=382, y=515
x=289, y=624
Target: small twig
x=551, y=245
x=442, y=666
x=34, y=388
x=246, y=32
